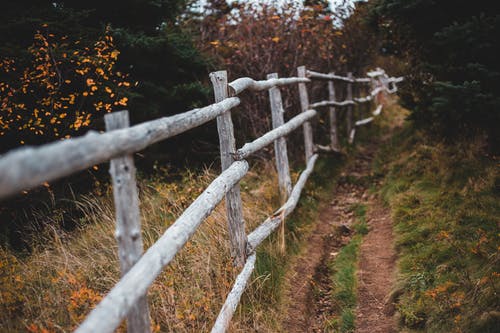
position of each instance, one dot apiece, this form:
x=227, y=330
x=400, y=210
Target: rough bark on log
x=117, y=303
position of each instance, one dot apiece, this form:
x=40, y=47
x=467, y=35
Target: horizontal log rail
x=322, y=76
x=271, y=136
x=28, y=167
x=234, y=296
x=325, y=149
x=331, y=103
x=109, y=313
x=364, y=121
x=256, y=237
x=378, y=110
x=244, y=83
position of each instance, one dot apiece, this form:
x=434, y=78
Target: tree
x=255, y=41
x=453, y=86
x=154, y=50
x=61, y=90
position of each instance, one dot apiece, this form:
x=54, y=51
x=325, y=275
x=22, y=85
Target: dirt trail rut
x=310, y=284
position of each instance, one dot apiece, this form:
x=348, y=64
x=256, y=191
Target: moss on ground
x=445, y=202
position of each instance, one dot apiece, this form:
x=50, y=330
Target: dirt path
x=376, y=274
x=310, y=284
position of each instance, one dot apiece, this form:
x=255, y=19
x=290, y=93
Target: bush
x=453, y=75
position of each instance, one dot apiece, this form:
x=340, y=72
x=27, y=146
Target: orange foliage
x=257, y=41
x=61, y=90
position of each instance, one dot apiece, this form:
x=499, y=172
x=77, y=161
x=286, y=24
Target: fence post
x=128, y=221
x=334, y=139
x=280, y=149
x=304, y=103
x=234, y=210
x=349, y=116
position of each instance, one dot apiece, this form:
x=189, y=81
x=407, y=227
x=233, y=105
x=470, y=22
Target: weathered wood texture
x=268, y=138
x=29, y=167
x=352, y=133
x=365, y=99
x=322, y=76
x=333, y=77
x=375, y=73
x=349, y=115
x=128, y=223
x=234, y=210
x=355, y=100
x=280, y=148
x=332, y=103
x=117, y=303
x=304, y=103
x=244, y=83
x=332, y=115
x=271, y=223
x=378, y=110
x=324, y=149
x=364, y=121
x=234, y=296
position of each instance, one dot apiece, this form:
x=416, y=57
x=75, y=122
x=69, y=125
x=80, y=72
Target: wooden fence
x=29, y=167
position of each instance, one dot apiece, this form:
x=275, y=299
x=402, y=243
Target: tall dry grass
x=67, y=274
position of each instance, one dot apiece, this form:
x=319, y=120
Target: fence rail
x=26, y=168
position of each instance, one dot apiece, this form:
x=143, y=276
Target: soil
x=310, y=288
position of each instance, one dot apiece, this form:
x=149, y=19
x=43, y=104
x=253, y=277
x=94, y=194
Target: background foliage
x=452, y=86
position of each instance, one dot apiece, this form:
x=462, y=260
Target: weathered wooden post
x=304, y=103
x=334, y=139
x=368, y=105
x=349, y=115
x=128, y=221
x=280, y=149
x=234, y=210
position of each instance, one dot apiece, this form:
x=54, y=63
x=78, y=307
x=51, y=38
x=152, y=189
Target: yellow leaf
x=123, y=101
x=114, y=54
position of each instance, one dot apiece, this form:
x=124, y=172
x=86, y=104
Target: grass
x=446, y=206
x=54, y=287
x=343, y=270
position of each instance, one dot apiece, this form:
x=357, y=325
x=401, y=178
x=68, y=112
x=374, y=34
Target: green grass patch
x=344, y=278
x=446, y=206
